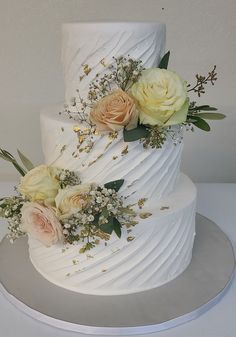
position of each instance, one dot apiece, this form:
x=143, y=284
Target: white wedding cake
x=159, y=247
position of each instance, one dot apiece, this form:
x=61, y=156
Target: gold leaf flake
x=103, y=62
x=81, y=139
x=164, y=208
x=86, y=69
x=141, y=202
x=145, y=215
x=113, y=135
x=125, y=150
x=94, y=161
x=108, y=144
x=114, y=157
x=63, y=149
x=76, y=129
x=104, y=270
x=130, y=238
x=62, y=129
x=81, y=78
x=75, y=261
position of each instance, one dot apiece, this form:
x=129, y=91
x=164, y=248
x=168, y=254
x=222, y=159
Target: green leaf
x=135, y=134
x=114, y=185
x=201, y=124
x=107, y=227
x=8, y=157
x=203, y=108
x=164, y=61
x=112, y=224
x=211, y=115
x=19, y=168
x=25, y=161
x=117, y=227
x=96, y=219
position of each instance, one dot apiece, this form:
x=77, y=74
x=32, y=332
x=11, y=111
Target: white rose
x=40, y=184
x=41, y=223
x=72, y=199
x=161, y=97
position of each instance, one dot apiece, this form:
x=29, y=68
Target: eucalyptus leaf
x=96, y=219
x=19, y=168
x=164, y=61
x=114, y=185
x=25, y=161
x=135, y=134
x=8, y=157
x=107, y=227
x=203, y=108
x=211, y=115
x=117, y=227
x=201, y=124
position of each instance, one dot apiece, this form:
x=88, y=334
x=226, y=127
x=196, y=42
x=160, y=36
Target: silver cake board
x=191, y=294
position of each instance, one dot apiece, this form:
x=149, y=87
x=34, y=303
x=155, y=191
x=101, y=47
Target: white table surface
x=215, y=201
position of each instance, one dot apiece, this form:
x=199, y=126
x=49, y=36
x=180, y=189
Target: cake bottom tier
x=159, y=250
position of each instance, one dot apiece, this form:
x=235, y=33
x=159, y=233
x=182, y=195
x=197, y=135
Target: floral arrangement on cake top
x=53, y=205
x=145, y=104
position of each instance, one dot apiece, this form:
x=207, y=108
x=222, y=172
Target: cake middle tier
x=147, y=173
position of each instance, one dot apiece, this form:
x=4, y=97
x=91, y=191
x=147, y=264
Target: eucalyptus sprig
x=197, y=117
x=7, y=156
x=202, y=81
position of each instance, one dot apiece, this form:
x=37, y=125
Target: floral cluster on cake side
x=52, y=205
x=144, y=104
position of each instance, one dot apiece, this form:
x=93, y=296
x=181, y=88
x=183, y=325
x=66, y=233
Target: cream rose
x=72, y=199
x=40, y=184
x=41, y=223
x=114, y=112
x=161, y=97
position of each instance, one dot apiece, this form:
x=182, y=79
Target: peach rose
x=114, y=112
x=41, y=223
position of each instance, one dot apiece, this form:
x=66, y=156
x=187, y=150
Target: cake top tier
x=88, y=47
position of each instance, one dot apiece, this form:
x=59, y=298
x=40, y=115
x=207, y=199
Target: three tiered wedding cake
x=110, y=213
x=159, y=247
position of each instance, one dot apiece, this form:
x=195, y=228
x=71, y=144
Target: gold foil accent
x=86, y=69
x=125, y=150
x=163, y=208
x=141, y=202
x=76, y=129
x=145, y=215
x=130, y=238
x=103, y=62
x=94, y=161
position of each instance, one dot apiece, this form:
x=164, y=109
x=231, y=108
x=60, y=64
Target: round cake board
x=191, y=294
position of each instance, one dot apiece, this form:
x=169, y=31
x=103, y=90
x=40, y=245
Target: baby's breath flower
x=103, y=206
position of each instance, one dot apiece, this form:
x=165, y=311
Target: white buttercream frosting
x=162, y=244
x=90, y=43
x=148, y=173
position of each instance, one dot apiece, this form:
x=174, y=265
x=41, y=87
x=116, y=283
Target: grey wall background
x=200, y=34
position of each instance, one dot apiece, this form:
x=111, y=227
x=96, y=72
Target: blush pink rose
x=41, y=223
x=114, y=112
